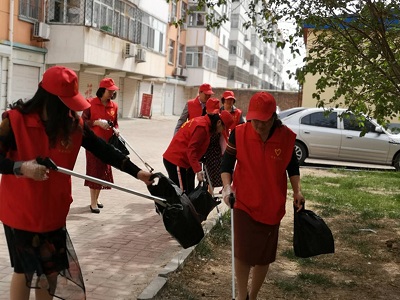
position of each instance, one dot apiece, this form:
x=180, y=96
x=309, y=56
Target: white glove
x=226, y=192
x=102, y=123
x=200, y=176
x=33, y=170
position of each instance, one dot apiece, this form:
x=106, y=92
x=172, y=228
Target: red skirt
x=255, y=243
x=96, y=168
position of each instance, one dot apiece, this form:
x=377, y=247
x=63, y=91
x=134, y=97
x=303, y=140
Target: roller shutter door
x=25, y=80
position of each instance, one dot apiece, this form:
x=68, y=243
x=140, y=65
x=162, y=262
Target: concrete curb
x=157, y=284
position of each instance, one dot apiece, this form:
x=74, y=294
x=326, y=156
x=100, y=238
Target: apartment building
x=148, y=47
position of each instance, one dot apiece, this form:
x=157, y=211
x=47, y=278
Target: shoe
x=100, y=205
x=247, y=297
x=94, y=210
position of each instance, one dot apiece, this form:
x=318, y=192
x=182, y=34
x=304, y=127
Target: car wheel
x=396, y=162
x=301, y=152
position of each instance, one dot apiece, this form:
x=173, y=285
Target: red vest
x=260, y=177
x=194, y=108
x=185, y=150
x=37, y=206
x=99, y=111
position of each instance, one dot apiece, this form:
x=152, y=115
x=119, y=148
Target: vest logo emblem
x=278, y=152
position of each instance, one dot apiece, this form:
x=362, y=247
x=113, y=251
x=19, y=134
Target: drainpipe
x=10, y=59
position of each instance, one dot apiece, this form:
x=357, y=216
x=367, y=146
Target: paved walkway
x=123, y=249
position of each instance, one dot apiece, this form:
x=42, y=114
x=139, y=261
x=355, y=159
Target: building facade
x=148, y=47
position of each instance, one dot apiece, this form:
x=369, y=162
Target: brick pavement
x=122, y=249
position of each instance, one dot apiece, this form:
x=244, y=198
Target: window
x=196, y=18
x=194, y=57
x=173, y=8
x=235, y=21
x=30, y=9
x=350, y=122
x=181, y=58
x=320, y=119
x=183, y=11
x=171, y=51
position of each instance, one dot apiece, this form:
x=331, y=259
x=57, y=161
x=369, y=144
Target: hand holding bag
x=311, y=235
x=180, y=217
x=202, y=200
x=118, y=143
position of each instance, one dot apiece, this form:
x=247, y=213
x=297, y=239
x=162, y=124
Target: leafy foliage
x=354, y=46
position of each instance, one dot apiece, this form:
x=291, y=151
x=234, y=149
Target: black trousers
x=187, y=176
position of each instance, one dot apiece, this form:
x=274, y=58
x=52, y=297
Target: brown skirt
x=255, y=243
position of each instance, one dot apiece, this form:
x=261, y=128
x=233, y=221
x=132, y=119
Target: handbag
x=202, y=200
x=180, y=217
x=311, y=235
x=118, y=143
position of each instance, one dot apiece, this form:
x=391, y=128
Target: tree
x=355, y=48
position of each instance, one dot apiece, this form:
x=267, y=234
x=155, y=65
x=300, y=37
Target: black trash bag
x=202, y=200
x=311, y=235
x=118, y=143
x=180, y=217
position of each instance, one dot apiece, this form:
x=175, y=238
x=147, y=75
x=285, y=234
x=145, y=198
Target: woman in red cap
x=228, y=103
x=101, y=117
x=191, y=142
x=259, y=155
x=34, y=201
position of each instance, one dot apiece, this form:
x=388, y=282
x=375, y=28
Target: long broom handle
x=51, y=165
x=145, y=163
x=212, y=189
x=232, y=203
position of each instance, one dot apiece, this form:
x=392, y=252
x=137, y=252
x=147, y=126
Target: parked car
x=327, y=134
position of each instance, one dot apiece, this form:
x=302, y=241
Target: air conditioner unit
x=129, y=51
x=172, y=19
x=177, y=71
x=184, y=72
x=41, y=30
x=140, y=55
x=184, y=26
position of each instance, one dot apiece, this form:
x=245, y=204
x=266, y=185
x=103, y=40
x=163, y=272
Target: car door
x=319, y=131
x=373, y=147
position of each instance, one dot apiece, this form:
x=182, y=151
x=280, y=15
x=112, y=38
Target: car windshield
x=288, y=112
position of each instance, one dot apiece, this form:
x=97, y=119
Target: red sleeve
x=116, y=115
x=197, y=140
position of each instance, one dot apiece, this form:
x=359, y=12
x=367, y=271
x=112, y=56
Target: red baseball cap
x=206, y=89
x=226, y=118
x=63, y=82
x=262, y=106
x=228, y=95
x=212, y=106
x=108, y=84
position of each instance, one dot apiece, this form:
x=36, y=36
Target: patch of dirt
x=366, y=264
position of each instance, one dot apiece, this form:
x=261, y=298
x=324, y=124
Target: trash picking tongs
x=47, y=162
x=126, y=143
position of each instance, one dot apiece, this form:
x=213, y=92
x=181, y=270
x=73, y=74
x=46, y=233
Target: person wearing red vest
x=34, y=201
x=228, y=103
x=102, y=118
x=263, y=151
x=195, y=107
x=191, y=142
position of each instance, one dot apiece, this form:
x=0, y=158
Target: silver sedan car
x=327, y=134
